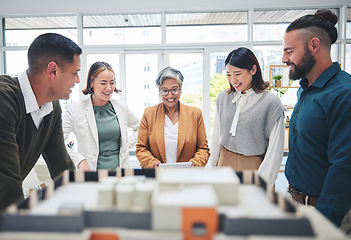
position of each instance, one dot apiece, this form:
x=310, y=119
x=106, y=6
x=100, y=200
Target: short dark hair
x=244, y=58
x=94, y=71
x=323, y=19
x=51, y=47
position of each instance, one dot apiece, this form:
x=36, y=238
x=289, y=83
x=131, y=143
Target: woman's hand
x=83, y=165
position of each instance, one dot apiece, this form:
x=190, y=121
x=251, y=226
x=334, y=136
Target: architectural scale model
x=166, y=203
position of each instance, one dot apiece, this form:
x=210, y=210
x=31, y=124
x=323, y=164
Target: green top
x=109, y=133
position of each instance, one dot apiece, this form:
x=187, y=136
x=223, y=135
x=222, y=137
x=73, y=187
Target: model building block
x=224, y=181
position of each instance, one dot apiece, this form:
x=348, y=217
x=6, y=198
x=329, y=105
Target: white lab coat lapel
x=121, y=120
x=90, y=116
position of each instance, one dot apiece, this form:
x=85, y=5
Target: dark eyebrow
x=107, y=80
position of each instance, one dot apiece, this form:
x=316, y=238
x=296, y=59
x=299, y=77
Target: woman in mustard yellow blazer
x=171, y=132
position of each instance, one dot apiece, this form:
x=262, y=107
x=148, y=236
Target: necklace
x=174, y=118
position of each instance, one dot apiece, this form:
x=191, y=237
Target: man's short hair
x=51, y=47
x=320, y=24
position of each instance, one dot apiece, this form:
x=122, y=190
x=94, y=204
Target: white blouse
x=171, y=140
x=269, y=168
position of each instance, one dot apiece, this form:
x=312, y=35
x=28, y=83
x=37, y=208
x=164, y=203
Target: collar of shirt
x=31, y=102
x=323, y=78
x=246, y=100
x=240, y=95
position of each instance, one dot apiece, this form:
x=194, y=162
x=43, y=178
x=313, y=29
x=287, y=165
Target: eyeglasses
x=165, y=91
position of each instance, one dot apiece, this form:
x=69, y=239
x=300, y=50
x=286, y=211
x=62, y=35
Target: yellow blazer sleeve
x=202, y=152
x=146, y=155
x=192, y=140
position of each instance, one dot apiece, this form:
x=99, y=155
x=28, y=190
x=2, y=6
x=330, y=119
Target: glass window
x=266, y=56
x=206, y=27
x=334, y=52
x=16, y=62
x=137, y=97
x=31, y=27
x=218, y=82
x=348, y=58
x=122, y=29
x=270, y=25
x=272, y=55
x=269, y=32
x=191, y=66
x=348, y=23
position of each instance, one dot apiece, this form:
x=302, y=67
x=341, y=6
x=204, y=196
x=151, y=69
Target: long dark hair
x=244, y=58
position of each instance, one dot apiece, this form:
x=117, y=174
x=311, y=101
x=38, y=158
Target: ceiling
x=154, y=19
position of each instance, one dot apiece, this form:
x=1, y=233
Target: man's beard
x=303, y=67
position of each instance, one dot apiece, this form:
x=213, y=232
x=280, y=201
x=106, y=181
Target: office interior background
x=139, y=38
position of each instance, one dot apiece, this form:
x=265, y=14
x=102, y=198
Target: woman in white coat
x=100, y=124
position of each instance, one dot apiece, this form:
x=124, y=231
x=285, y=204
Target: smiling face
x=170, y=100
x=240, y=78
x=103, y=85
x=297, y=55
x=67, y=77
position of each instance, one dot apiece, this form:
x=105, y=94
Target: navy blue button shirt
x=319, y=161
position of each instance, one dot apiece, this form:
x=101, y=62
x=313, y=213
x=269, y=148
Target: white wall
x=40, y=7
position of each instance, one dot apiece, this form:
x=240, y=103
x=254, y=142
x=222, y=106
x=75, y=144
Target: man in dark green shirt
x=319, y=163
x=30, y=113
